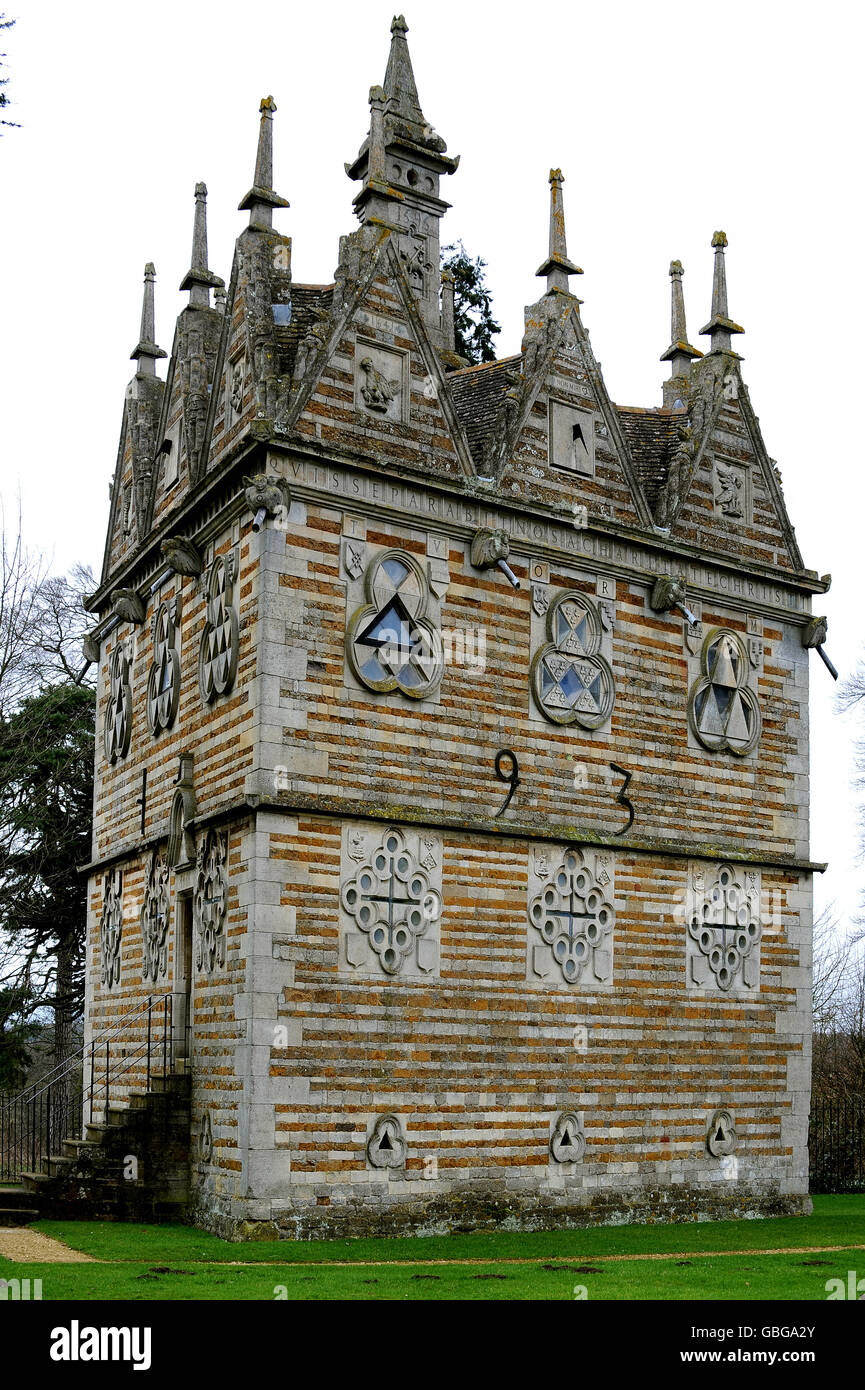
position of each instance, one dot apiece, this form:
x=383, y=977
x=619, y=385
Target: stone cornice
x=293, y=803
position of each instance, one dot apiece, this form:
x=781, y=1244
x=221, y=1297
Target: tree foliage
x=474, y=323
x=46, y=801
x=46, y=794
x=4, y=81
x=17, y=1033
x=838, y=1003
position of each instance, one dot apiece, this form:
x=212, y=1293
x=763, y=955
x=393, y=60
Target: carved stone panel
x=571, y=679
x=155, y=914
x=234, y=390
x=724, y=928
x=391, y=642
x=210, y=903
x=163, y=681
x=381, y=382
x=721, y=1136
x=572, y=439
x=732, y=492
x=217, y=656
x=118, y=713
x=390, y=902
x=205, y=1138
x=386, y=1146
x=571, y=917
x=723, y=711
x=568, y=1140
x=111, y=928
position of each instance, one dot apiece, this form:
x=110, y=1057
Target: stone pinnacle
x=147, y=353
x=680, y=352
x=261, y=199
x=557, y=267
x=198, y=279
x=720, y=326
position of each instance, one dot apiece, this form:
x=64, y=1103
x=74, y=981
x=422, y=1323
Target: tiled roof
x=305, y=299
x=478, y=394
x=651, y=438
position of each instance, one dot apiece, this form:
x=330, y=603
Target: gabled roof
x=651, y=437
x=310, y=306
x=478, y=393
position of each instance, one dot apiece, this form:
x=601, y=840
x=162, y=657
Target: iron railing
x=836, y=1145
x=34, y=1124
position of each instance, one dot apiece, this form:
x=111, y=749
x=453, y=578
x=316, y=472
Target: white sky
x=669, y=122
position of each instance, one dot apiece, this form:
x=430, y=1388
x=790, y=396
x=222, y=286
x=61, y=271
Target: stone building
x=452, y=748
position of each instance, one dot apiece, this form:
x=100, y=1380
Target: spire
x=720, y=326
x=198, y=279
x=399, y=166
x=261, y=199
x=557, y=267
x=399, y=84
x=147, y=353
x=680, y=351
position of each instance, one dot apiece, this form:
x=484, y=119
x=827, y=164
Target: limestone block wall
x=332, y=737
x=479, y=1060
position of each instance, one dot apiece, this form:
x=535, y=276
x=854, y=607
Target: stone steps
x=16, y=1207
x=89, y=1178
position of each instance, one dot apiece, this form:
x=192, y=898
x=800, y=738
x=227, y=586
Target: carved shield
x=693, y=637
x=540, y=599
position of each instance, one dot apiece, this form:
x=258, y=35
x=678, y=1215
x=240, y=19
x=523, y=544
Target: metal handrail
x=63, y=1068
x=45, y=1114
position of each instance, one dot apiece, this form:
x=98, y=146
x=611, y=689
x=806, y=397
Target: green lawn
x=180, y=1263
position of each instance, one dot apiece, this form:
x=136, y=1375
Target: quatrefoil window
x=571, y=681
x=217, y=657
x=163, y=682
x=724, y=713
x=573, y=918
x=111, y=927
x=391, y=645
x=725, y=927
x=391, y=901
x=154, y=920
x=210, y=903
x=118, y=715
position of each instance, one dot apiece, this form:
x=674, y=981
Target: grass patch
x=836, y=1221
x=755, y=1277
x=180, y=1263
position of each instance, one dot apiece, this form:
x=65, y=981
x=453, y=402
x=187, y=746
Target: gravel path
x=32, y=1247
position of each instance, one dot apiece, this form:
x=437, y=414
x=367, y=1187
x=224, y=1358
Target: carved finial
x=680, y=352
x=147, y=353
x=261, y=199
x=720, y=326
x=198, y=279
x=398, y=24
x=557, y=267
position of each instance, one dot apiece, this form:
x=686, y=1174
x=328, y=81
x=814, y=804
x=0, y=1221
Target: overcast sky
x=668, y=122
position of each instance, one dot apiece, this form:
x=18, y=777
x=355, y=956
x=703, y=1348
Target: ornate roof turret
x=198, y=279
x=399, y=165
x=261, y=199
x=557, y=267
x=147, y=353
x=720, y=326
